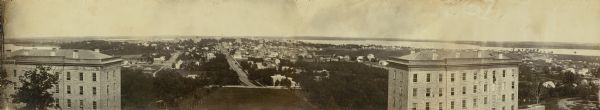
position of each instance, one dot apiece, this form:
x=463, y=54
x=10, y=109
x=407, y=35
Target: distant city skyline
x=470, y=20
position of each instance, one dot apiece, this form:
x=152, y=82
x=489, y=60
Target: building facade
x=88, y=79
x=453, y=80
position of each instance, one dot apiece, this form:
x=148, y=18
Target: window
x=464, y=90
x=428, y=77
x=485, y=75
x=69, y=103
x=474, y=88
x=451, y=104
x=80, y=90
x=426, y=105
x=512, y=107
x=81, y=76
x=513, y=72
x=57, y=102
x=494, y=76
x=414, y=107
x=428, y=92
x=414, y=77
x=57, y=90
x=503, y=98
x=452, y=91
x=441, y=106
x=15, y=73
x=452, y=77
x=503, y=108
x=464, y=76
x=513, y=85
x=94, y=105
x=484, y=100
x=93, y=76
x=81, y=104
x=68, y=75
x=475, y=76
x=475, y=102
x=464, y=104
x=415, y=92
x=503, y=73
x=441, y=92
x=512, y=96
x=441, y=77
x=94, y=90
x=485, y=88
x=68, y=89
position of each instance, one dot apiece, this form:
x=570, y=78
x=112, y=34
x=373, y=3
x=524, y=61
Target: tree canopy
x=351, y=85
x=34, y=89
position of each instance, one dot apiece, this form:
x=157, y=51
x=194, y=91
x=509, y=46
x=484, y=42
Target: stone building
x=87, y=79
x=453, y=80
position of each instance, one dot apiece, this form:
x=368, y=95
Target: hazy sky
x=484, y=20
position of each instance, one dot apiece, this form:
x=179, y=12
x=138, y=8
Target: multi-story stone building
x=87, y=79
x=453, y=80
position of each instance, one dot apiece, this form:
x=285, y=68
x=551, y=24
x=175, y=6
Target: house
x=237, y=55
x=210, y=56
x=159, y=60
x=370, y=57
x=193, y=76
x=178, y=64
x=383, y=63
x=360, y=58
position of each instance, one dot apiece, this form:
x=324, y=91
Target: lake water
x=446, y=45
x=14, y=47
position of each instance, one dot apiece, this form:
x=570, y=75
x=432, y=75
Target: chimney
x=97, y=50
x=76, y=54
x=8, y=52
x=26, y=52
x=501, y=56
x=457, y=55
x=53, y=52
x=412, y=51
x=434, y=56
x=479, y=54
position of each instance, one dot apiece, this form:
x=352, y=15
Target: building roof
x=446, y=54
x=67, y=53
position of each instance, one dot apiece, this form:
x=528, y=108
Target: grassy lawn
x=253, y=99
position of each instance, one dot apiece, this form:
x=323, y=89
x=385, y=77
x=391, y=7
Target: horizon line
x=306, y=37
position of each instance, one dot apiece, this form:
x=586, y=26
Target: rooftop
x=451, y=57
x=60, y=57
x=67, y=53
x=450, y=54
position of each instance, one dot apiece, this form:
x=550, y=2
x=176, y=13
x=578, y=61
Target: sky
x=477, y=20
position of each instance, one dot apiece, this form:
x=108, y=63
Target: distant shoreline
x=505, y=44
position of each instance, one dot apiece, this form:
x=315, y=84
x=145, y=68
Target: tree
x=4, y=82
x=34, y=91
x=169, y=86
x=137, y=89
x=351, y=85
